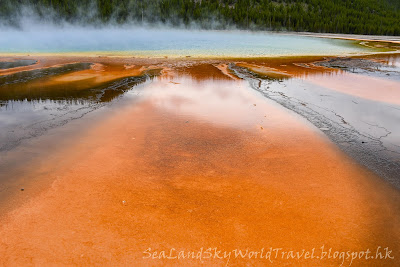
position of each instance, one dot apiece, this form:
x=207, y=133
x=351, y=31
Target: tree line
x=379, y=17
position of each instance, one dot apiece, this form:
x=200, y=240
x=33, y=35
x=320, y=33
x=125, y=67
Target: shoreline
x=189, y=159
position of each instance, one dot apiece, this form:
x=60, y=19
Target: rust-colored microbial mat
x=198, y=163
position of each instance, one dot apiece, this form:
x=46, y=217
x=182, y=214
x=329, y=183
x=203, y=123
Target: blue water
x=168, y=42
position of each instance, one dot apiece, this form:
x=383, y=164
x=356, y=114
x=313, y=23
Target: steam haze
x=43, y=31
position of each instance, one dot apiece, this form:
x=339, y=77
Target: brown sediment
x=269, y=72
x=97, y=74
x=297, y=67
x=199, y=163
x=225, y=70
x=71, y=84
x=42, y=62
x=202, y=71
x=288, y=65
x=56, y=61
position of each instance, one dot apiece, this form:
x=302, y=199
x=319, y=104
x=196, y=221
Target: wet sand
x=374, y=88
x=352, y=100
x=196, y=159
x=378, y=89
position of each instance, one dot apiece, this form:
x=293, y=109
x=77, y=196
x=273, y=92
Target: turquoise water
x=168, y=42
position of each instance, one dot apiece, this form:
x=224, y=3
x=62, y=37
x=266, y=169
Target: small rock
x=22, y=189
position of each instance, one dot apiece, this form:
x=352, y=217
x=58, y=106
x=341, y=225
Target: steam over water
x=167, y=42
